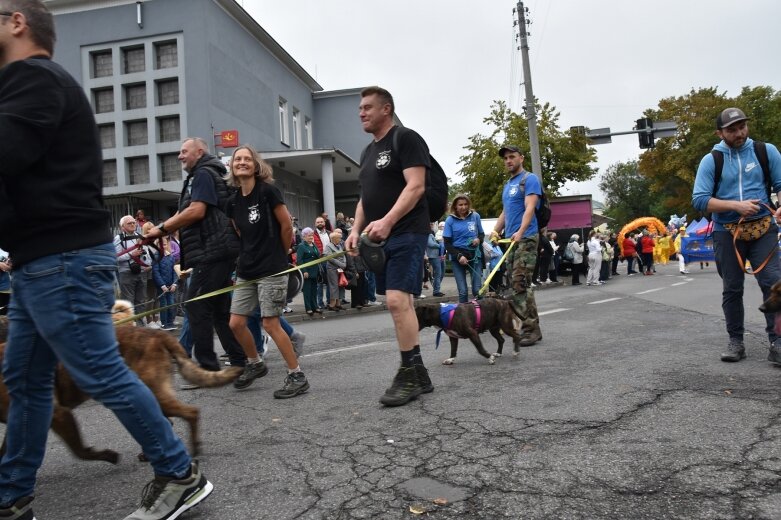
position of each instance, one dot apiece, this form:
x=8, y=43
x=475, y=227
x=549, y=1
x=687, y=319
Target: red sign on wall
x=229, y=138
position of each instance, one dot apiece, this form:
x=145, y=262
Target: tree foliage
x=672, y=165
x=626, y=192
x=564, y=155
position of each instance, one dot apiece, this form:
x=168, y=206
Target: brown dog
x=773, y=304
x=496, y=316
x=148, y=352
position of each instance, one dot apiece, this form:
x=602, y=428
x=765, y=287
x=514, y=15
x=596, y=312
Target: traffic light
x=645, y=132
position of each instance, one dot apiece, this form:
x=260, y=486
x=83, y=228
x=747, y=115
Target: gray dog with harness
x=468, y=320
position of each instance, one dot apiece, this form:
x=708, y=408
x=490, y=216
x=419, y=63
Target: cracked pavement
x=623, y=411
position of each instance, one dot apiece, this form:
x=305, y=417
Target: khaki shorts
x=270, y=292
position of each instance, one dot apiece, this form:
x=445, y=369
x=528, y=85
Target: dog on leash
x=468, y=320
x=773, y=304
x=149, y=353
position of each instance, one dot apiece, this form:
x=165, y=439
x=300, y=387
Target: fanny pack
x=751, y=230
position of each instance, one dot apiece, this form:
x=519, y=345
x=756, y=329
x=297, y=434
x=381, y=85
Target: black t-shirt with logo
x=262, y=252
x=382, y=180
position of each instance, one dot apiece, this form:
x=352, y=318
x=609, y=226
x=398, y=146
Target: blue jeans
x=733, y=277
x=253, y=324
x=61, y=311
x=167, y=315
x=185, y=337
x=459, y=273
x=371, y=287
x=436, y=273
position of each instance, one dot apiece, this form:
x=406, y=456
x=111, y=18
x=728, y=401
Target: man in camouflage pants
x=520, y=197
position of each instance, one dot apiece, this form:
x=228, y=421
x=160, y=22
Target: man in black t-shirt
x=392, y=208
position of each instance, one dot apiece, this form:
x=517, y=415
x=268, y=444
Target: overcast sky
x=599, y=62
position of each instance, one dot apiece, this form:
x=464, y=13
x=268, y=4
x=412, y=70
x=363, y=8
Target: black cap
x=730, y=116
x=509, y=148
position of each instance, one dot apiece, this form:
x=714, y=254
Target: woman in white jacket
x=594, y=259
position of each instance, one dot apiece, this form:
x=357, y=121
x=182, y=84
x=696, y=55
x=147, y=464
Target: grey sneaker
x=295, y=384
x=166, y=498
x=735, y=351
x=252, y=371
x=22, y=509
x=773, y=355
x=297, y=339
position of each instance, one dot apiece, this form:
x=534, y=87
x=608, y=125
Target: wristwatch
x=161, y=227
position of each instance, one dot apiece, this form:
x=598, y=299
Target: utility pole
x=531, y=114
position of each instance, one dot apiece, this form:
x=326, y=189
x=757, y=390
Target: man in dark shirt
x=201, y=219
x=392, y=209
x=63, y=290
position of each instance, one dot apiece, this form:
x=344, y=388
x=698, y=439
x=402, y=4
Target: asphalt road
x=622, y=411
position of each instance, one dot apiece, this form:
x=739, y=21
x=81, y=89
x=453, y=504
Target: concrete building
x=158, y=71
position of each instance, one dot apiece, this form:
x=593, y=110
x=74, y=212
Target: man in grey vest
x=210, y=246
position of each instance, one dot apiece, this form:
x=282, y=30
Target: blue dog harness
x=446, y=313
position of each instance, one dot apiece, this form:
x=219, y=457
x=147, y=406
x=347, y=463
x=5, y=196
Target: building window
x=170, y=168
x=166, y=55
x=168, y=92
x=308, y=133
x=284, y=135
x=133, y=59
x=138, y=170
x=102, y=65
x=109, y=174
x=296, y=129
x=168, y=129
x=135, y=96
x=136, y=132
x=108, y=137
x=104, y=100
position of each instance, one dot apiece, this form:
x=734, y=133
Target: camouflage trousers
x=520, y=268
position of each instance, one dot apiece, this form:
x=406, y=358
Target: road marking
x=345, y=349
x=650, y=290
x=603, y=301
x=679, y=283
x=552, y=311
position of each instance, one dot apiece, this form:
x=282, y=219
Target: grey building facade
x=158, y=71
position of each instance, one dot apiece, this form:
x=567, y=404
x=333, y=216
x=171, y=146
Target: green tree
x=672, y=165
x=564, y=155
x=627, y=193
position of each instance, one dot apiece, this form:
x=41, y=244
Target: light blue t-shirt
x=514, y=203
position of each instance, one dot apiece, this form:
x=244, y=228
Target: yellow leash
x=230, y=288
x=498, y=266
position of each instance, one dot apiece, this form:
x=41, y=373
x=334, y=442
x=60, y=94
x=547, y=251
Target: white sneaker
x=287, y=310
x=374, y=303
x=684, y=272
x=152, y=325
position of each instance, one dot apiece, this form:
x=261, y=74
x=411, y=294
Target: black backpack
x=543, y=213
x=436, y=181
x=760, y=150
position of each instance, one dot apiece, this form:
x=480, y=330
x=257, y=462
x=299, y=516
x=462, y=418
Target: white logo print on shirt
x=750, y=166
x=383, y=160
x=254, y=214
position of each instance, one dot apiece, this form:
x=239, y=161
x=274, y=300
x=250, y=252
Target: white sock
x=253, y=360
x=294, y=370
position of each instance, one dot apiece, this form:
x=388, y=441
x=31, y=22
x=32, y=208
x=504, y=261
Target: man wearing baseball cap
x=741, y=194
x=520, y=198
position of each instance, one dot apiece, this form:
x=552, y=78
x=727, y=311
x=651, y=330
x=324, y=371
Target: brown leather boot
x=531, y=337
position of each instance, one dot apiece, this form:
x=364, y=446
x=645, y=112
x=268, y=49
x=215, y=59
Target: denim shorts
x=270, y=292
x=403, y=263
